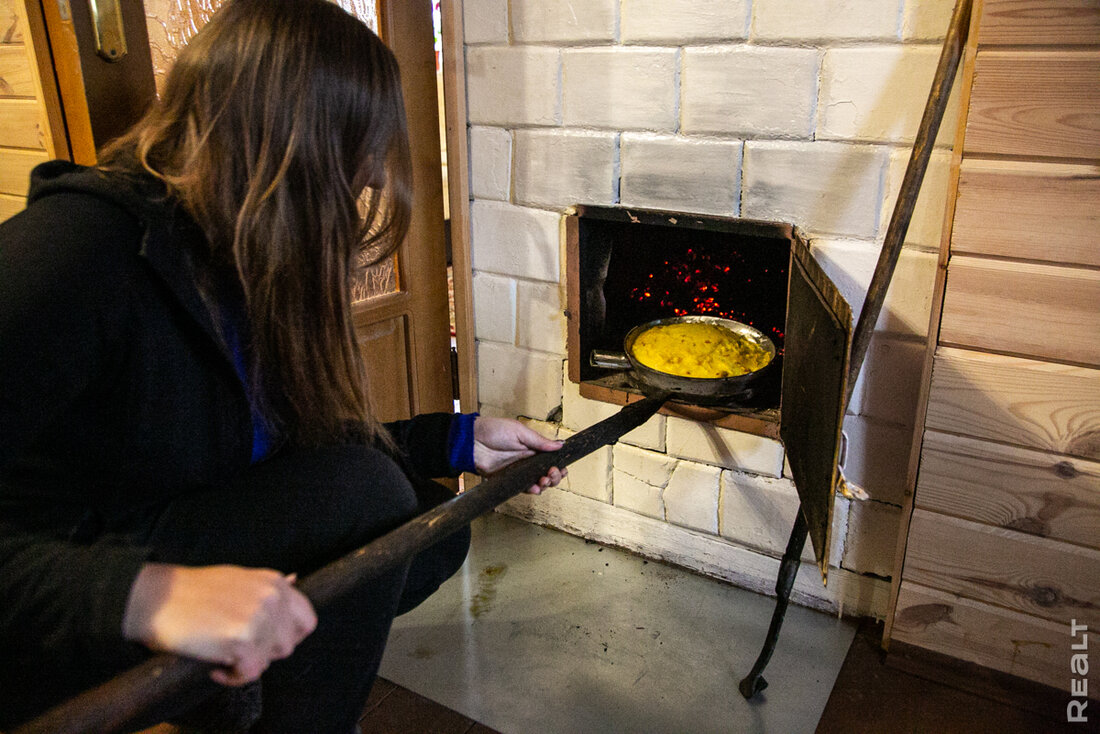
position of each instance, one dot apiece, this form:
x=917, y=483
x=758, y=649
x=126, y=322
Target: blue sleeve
x=460, y=443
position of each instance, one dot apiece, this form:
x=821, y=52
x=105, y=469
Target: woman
x=184, y=424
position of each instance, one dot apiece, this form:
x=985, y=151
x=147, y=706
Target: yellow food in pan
x=698, y=349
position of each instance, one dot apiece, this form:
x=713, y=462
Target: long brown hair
x=278, y=123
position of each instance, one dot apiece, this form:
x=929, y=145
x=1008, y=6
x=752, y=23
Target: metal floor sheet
x=544, y=632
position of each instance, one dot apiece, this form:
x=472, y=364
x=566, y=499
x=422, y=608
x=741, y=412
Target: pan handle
x=609, y=360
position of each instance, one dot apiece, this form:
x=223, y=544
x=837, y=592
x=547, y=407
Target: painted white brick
x=691, y=497
x=495, y=412
x=666, y=172
x=513, y=85
x=648, y=466
x=513, y=240
x=749, y=91
x=927, y=222
x=908, y=303
x=579, y=413
x=589, y=476
x=759, y=512
x=640, y=478
x=633, y=494
x=806, y=20
x=519, y=381
x=828, y=188
x=891, y=379
x=872, y=538
x=541, y=21
x=878, y=457
x=490, y=163
x=546, y=428
x=540, y=320
x=841, y=514
x=756, y=511
x=619, y=88
x=878, y=94
x=559, y=168
x=851, y=264
x=926, y=19
x=722, y=447
x=649, y=21
x=485, y=21
x=494, y=308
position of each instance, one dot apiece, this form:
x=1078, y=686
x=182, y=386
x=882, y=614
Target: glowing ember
x=694, y=285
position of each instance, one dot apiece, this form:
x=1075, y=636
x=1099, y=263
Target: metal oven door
x=815, y=373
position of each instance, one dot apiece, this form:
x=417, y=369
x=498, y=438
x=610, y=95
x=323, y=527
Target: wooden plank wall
x=1002, y=548
x=29, y=133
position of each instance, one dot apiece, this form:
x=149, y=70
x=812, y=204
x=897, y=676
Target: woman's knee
x=294, y=512
x=358, y=492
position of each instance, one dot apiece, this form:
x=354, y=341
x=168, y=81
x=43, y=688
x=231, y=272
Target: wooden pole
x=950, y=56
x=139, y=691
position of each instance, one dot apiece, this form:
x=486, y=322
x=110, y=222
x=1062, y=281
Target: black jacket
x=115, y=395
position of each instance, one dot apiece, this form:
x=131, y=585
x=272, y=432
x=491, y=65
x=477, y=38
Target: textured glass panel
x=171, y=25
x=377, y=280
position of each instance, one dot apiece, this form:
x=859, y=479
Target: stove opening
x=632, y=267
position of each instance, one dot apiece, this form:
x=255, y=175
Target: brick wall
x=793, y=110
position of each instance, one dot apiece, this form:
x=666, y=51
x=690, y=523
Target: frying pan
x=696, y=389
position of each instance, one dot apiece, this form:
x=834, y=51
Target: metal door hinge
x=110, y=38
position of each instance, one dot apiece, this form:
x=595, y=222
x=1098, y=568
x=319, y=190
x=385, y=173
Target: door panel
x=385, y=347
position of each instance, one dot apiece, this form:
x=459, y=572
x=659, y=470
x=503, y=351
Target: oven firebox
x=626, y=267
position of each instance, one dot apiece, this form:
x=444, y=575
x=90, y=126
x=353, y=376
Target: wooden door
x=401, y=313
x=405, y=330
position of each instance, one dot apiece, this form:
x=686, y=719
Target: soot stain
x=487, y=580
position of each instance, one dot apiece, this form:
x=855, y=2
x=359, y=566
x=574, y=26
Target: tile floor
x=543, y=631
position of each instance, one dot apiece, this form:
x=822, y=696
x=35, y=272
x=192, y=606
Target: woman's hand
x=241, y=618
x=500, y=441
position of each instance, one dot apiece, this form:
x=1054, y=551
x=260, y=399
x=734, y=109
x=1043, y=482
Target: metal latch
x=110, y=38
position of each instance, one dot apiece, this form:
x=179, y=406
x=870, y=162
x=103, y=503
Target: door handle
x=110, y=38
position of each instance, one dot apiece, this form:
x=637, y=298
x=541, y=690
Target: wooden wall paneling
x=1030, y=211
x=22, y=124
x=1041, y=405
x=16, y=76
x=1019, y=644
x=10, y=32
x=1035, y=103
x=1048, y=495
x=1037, y=310
x=11, y=205
x=1037, y=576
x=1040, y=22
x=15, y=169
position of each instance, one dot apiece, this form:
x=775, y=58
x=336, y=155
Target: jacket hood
x=136, y=194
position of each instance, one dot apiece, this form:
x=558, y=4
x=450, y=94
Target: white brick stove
x=801, y=111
